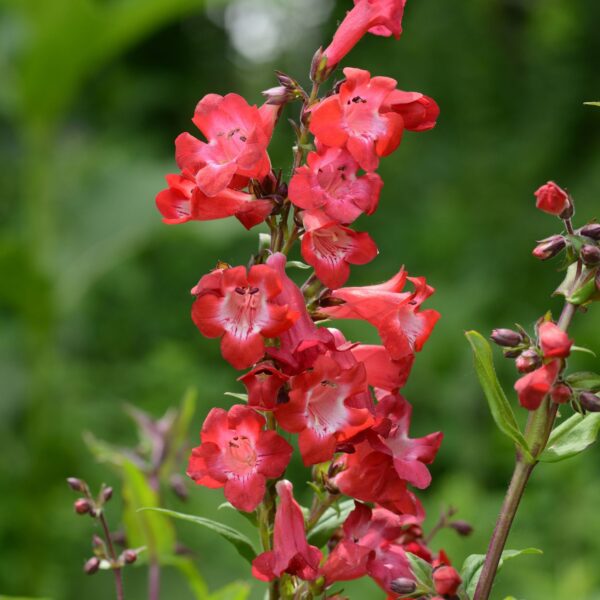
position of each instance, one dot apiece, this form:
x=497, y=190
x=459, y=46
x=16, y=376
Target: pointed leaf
x=592, y=103
x=422, y=570
x=331, y=519
x=585, y=380
x=499, y=406
x=572, y=437
x=241, y=543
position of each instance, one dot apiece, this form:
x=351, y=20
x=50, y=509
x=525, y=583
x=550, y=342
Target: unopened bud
x=107, y=493
x=77, y=485
x=92, y=565
x=82, y=506
x=462, y=528
x=403, y=586
x=278, y=95
x=318, y=67
x=561, y=393
x=589, y=401
x=506, y=337
x=528, y=361
x=98, y=543
x=129, y=556
x=591, y=230
x=590, y=255
x=549, y=247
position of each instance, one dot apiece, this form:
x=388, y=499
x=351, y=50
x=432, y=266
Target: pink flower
x=263, y=383
x=551, y=198
x=381, y=17
x=358, y=119
x=239, y=308
x=402, y=326
x=238, y=455
x=533, y=387
x=329, y=182
x=383, y=371
x=331, y=249
x=291, y=552
x=555, y=343
x=418, y=112
x=238, y=135
x=327, y=405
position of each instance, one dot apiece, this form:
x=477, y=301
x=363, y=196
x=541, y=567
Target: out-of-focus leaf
x=187, y=568
x=499, y=406
x=582, y=349
x=592, y=103
x=331, y=519
x=241, y=542
x=250, y=517
x=572, y=437
x=473, y=565
x=585, y=380
x=242, y=397
x=233, y=591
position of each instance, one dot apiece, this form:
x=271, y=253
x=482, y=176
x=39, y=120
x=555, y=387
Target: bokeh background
x=94, y=289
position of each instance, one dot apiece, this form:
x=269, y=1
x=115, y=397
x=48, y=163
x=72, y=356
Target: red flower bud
x=82, y=506
x=462, y=528
x=549, y=247
x=561, y=393
x=528, y=361
x=446, y=580
x=555, y=343
x=551, y=199
x=591, y=230
x=403, y=586
x=77, y=485
x=92, y=565
x=589, y=401
x=107, y=493
x=590, y=255
x=129, y=556
x=506, y=337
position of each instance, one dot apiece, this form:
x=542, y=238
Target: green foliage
x=572, y=437
x=331, y=520
x=423, y=571
x=585, y=380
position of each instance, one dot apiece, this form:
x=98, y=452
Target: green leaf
x=331, y=519
x=584, y=380
x=422, y=571
x=250, y=517
x=232, y=591
x=500, y=408
x=582, y=349
x=297, y=264
x=471, y=570
x=241, y=543
x=592, y=103
x=242, y=397
x=188, y=569
x=572, y=437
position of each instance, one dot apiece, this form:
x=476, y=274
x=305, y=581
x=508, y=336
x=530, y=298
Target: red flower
x=533, y=387
x=327, y=404
x=263, y=384
x=238, y=455
x=551, y=198
x=291, y=552
x=238, y=135
x=239, y=308
x=329, y=182
x=358, y=119
x=383, y=371
x=555, y=343
x=446, y=580
x=331, y=249
x=381, y=17
x=403, y=328
x=418, y=112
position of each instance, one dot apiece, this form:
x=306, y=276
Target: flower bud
x=549, y=247
x=591, y=230
x=561, y=393
x=590, y=255
x=446, y=580
x=506, y=337
x=462, y=528
x=106, y=493
x=318, y=67
x=552, y=199
x=129, y=556
x=403, y=586
x=98, y=543
x=92, y=565
x=278, y=96
x=589, y=401
x=82, y=506
x=528, y=361
x=77, y=485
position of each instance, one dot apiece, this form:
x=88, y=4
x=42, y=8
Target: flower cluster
x=339, y=397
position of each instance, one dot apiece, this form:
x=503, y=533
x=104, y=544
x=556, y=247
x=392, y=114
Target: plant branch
x=113, y=555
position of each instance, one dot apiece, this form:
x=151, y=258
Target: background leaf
x=572, y=437
x=331, y=519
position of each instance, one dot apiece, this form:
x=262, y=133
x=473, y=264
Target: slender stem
x=113, y=555
x=154, y=580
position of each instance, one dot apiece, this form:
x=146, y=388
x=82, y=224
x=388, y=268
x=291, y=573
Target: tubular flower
x=383, y=372
x=331, y=249
x=551, y=198
x=403, y=328
x=327, y=405
x=357, y=118
x=555, y=343
x=533, y=387
x=239, y=308
x=263, y=383
x=238, y=455
x=291, y=552
x=418, y=112
x=329, y=182
x=236, y=149
x=380, y=17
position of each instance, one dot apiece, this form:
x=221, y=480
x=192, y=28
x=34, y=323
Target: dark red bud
x=591, y=230
x=569, y=210
x=462, y=528
x=403, y=586
x=506, y=337
x=129, y=556
x=589, y=401
x=561, y=393
x=590, y=255
x=549, y=247
x=107, y=493
x=82, y=506
x=92, y=565
x=528, y=361
x=77, y=485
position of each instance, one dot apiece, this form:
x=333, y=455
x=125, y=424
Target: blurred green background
x=94, y=292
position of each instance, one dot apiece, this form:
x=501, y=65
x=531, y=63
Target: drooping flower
x=237, y=138
x=239, y=308
x=237, y=454
x=331, y=248
x=291, y=552
x=327, y=405
x=380, y=17
x=551, y=198
x=533, y=387
x=357, y=118
x=396, y=314
x=263, y=383
x=555, y=343
x=329, y=182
